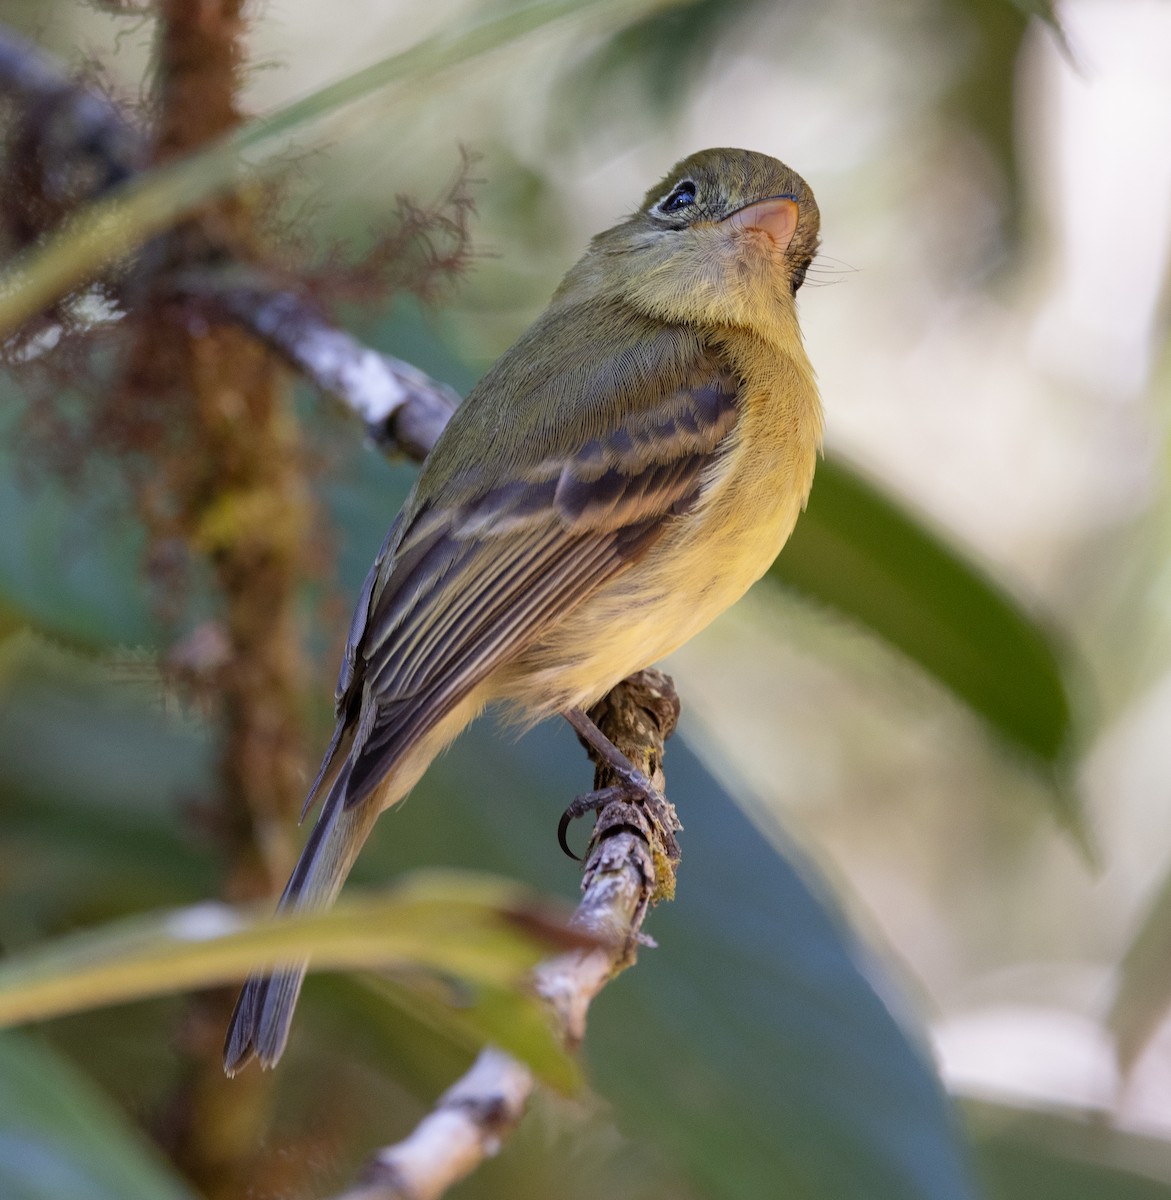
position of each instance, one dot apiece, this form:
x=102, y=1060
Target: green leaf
x=61, y=1138
x=519, y=1025
x=111, y=228
x=69, y=566
x=480, y=929
x=1029, y=1155
x=105, y=823
x=861, y=553
x=761, y=1043
x=1144, y=982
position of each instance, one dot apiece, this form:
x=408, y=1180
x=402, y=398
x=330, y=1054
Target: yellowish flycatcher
x=621, y=476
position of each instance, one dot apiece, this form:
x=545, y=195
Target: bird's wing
x=472, y=578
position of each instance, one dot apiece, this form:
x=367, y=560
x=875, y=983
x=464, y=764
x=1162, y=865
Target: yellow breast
x=707, y=559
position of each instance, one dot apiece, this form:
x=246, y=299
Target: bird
x=620, y=476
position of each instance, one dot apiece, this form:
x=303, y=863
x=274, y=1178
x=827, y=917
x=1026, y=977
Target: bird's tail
x=259, y=1027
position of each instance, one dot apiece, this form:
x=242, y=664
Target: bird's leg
x=593, y=737
x=633, y=784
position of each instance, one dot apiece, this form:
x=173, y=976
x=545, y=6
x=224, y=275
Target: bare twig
x=627, y=868
x=631, y=861
x=404, y=410
x=467, y=1125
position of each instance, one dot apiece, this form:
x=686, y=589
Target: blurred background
x=988, y=319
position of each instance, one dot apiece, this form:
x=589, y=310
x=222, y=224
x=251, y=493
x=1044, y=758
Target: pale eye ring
x=681, y=196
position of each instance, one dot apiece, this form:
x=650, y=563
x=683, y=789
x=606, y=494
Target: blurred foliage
x=762, y=1049
x=992, y=31
x=1143, y=994
x=65, y=566
x=859, y=552
x=1065, y=1156
x=479, y=931
x=115, y=226
x=666, y=50
x=663, y=51
x=59, y=1136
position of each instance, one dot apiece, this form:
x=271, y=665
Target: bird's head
x=725, y=238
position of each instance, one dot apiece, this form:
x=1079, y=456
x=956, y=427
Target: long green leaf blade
x=61, y=1137
x=860, y=553
x=476, y=929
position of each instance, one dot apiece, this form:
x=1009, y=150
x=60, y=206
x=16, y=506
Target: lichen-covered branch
x=628, y=866
x=468, y=1124
x=403, y=409
x=631, y=861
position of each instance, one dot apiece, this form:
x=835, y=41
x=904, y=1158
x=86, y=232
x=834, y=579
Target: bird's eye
x=680, y=197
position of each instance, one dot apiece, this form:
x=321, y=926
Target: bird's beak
x=776, y=216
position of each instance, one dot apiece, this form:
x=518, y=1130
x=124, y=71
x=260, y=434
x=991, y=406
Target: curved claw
x=591, y=802
x=563, y=828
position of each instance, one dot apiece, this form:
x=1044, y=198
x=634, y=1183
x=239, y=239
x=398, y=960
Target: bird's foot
x=633, y=787
x=591, y=802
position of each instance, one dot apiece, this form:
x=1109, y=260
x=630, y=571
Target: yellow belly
x=702, y=565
